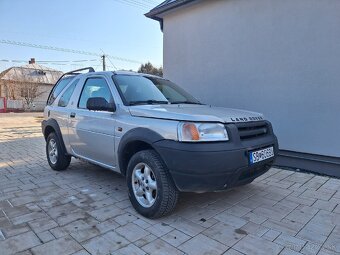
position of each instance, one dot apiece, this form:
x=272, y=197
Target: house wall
x=281, y=58
x=39, y=102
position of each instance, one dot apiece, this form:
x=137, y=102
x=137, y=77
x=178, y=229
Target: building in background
x=281, y=58
x=27, y=87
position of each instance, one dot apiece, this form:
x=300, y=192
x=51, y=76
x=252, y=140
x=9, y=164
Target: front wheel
x=56, y=155
x=151, y=189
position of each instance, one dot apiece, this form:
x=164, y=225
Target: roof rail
x=81, y=69
x=75, y=72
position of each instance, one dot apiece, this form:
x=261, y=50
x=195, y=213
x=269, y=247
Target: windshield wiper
x=185, y=102
x=148, y=102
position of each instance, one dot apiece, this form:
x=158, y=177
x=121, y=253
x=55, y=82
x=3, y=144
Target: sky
x=114, y=27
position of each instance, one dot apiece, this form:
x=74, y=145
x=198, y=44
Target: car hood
x=185, y=112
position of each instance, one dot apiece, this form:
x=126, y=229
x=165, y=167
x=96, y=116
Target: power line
x=48, y=61
x=136, y=4
x=45, y=47
x=152, y=2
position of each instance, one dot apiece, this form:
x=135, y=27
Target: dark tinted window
x=95, y=87
x=58, y=88
x=65, y=98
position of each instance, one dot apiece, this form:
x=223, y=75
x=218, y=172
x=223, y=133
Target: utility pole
x=104, y=64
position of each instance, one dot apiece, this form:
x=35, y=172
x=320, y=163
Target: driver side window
x=95, y=87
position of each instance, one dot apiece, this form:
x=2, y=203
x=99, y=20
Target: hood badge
x=244, y=119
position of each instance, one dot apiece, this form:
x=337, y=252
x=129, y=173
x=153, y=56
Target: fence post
x=5, y=104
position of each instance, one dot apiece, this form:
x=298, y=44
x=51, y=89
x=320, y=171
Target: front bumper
x=202, y=167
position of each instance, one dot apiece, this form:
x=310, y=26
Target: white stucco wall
x=281, y=58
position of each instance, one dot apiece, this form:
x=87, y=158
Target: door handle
x=72, y=114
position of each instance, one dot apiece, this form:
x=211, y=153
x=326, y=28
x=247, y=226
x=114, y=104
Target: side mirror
x=100, y=104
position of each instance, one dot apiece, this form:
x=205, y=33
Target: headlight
x=201, y=132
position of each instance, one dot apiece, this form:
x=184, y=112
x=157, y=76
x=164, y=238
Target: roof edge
x=155, y=12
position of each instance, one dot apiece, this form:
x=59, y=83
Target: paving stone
x=272, y=212
x=159, y=247
x=107, y=226
x=24, y=200
x=76, y=215
x=107, y=212
x=27, y=217
x=319, y=194
x=287, y=251
x=271, y=235
x=325, y=205
x=257, y=246
x=142, y=223
x=45, y=236
x=175, y=238
x=333, y=242
x=290, y=242
x=231, y=219
x=81, y=252
x=132, y=232
x=159, y=229
x=312, y=236
x=225, y=234
x=82, y=235
x=130, y=250
x=255, y=218
x=325, y=251
x=193, y=246
x=19, y=243
x=288, y=227
x=231, y=251
x=61, y=210
x=13, y=230
x=145, y=240
x=254, y=229
x=186, y=226
x=105, y=244
x=69, y=228
x=301, y=201
x=311, y=249
x=302, y=214
x=65, y=246
x=42, y=224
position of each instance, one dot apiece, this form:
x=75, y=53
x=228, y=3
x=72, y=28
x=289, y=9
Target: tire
x=61, y=160
x=164, y=197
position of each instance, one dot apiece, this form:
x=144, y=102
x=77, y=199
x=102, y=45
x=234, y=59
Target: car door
x=91, y=133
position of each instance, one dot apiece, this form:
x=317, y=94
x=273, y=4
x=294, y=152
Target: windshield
x=136, y=89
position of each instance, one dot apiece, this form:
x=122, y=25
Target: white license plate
x=260, y=155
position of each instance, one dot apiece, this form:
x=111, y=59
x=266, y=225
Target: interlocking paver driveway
x=86, y=209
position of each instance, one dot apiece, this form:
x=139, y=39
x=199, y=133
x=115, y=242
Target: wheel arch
x=51, y=125
x=133, y=141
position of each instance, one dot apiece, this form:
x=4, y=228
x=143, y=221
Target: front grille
x=251, y=130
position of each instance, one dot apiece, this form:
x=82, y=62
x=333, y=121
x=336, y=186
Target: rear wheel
x=151, y=189
x=56, y=155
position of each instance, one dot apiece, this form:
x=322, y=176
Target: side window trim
x=49, y=99
x=83, y=86
x=72, y=84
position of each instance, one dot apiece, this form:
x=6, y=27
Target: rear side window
x=65, y=98
x=58, y=88
x=95, y=87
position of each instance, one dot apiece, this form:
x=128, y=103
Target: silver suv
x=162, y=139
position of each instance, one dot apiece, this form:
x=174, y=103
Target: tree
x=31, y=89
x=150, y=69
